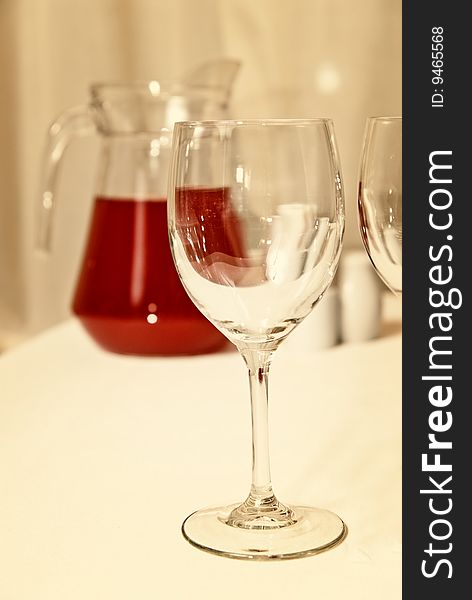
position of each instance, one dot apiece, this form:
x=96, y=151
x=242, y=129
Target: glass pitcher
x=128, y=295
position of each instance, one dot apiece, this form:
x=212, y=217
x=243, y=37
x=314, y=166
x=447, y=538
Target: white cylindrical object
x=320, y=329
x=360, y=301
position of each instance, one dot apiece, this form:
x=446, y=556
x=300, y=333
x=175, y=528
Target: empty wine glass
x=380, y=198
x=256, y=220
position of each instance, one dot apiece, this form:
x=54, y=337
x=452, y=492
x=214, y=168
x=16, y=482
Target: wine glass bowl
x=256, y=220
x=380, y=198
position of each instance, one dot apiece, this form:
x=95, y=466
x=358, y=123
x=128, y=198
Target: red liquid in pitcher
x=129, y=296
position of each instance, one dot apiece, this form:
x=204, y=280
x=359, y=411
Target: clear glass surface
x=256, y=220
x=380, y=198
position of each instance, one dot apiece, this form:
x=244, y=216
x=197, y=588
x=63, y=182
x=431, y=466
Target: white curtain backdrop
x=303, y=58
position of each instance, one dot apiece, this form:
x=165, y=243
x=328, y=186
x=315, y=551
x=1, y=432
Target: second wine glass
x=256, y=219
x=380, y=198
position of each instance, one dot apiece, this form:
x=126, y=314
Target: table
x=102, y=456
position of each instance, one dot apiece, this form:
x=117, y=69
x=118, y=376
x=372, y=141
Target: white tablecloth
x=102, y=456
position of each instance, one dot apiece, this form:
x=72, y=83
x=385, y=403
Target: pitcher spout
x=218, y=73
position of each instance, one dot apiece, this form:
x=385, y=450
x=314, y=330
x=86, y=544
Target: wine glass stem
x=261, y=509
x=258, y=363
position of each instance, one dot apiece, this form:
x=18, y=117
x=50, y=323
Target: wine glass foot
x=314, y=530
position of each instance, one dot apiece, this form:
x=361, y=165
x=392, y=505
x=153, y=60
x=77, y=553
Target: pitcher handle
x=73, y=122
